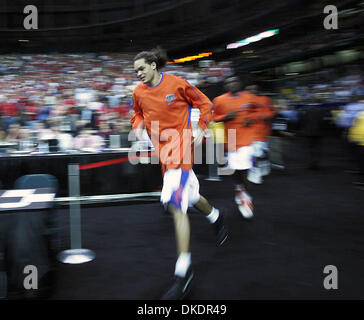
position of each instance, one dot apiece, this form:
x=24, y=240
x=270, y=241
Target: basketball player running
x=262, y=127
x=237, y=110
x=162, y=105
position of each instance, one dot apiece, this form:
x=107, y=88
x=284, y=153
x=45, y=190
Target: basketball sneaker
x=220, y=230
x=245, y=204
x=180, y=286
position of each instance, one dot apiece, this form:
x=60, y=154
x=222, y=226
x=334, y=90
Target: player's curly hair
x=157, y=55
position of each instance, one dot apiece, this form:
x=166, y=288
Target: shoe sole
x=242, y=211
x=222, y=241
x=250, y=214
x=187, y=287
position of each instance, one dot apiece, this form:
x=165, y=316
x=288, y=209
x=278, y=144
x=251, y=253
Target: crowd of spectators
x=79, y=100
x=83, y=102
x=333, y=89
x=331, y=98
x=336, y=84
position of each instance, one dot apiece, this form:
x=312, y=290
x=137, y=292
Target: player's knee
x=175, y=203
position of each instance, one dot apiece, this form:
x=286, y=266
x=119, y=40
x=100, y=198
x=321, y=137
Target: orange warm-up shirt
x=170, y=104
x=244, y=103
x=266, y=110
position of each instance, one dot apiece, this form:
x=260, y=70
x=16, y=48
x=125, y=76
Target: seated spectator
x=124, y=108
x=11, y=137
x=2, y=135
x=26, y=143
x=104, y=130
x=8, y=109
x=30, y=112
x=43, y=110
x=43, y=132
x=13, y=132
x=88, y=116
x=65, y=140
x=346, y=117
x=87, y=141
x=122, y=129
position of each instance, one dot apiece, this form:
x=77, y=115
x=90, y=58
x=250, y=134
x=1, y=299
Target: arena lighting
x=258, y=37
x=191, y=58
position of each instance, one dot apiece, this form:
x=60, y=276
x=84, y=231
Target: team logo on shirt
x=170, y=98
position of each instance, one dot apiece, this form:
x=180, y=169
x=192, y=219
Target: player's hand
x=231, y=115
x=198, y=135
x=139, y=133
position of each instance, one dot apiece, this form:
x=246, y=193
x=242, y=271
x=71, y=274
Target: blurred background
x=76, y=68
x=66, y=90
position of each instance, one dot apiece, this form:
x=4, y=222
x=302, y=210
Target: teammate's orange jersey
x=266, y=110
x=244, y=103
x=170, y=104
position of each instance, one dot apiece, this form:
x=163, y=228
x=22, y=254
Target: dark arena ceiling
x=182, y=27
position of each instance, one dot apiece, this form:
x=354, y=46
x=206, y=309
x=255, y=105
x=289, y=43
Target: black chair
x=37, y=231
x=32, y=181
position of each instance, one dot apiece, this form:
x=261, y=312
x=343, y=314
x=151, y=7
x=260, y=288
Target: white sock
x=182, y=264
x=214, y=215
